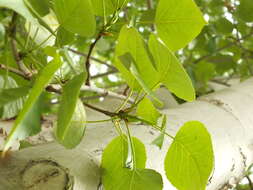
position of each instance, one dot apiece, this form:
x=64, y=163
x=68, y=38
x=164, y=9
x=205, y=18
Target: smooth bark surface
x=227, y=114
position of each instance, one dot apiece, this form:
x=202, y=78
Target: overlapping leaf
x=71, y=115
x=171, y=72
x=23, y=126
x=117, y=176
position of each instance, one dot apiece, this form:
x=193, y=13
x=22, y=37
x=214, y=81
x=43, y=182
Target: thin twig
x=104, y=74
x=87, y=62
x=91, y=57
x=106, y=93
x=15, y=71
x=250, y=182
x=105, y=112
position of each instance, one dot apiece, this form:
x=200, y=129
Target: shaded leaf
x=64, y=37
x=23, y=125
x=71, y=115
x=245, y=10
x=41, y=6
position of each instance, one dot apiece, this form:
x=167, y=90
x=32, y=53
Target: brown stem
x=104, y=74
x=250, y=182
x=87, y=62
x=91, y=58
x=12, y=34
x=15, y=71
x=110, y=114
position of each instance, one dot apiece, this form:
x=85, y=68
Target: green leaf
x=115, y=174
x=71, y=115
x=204, y=71
x=130, y=41
x=64, y=37
x=128, y=61
x=147, y=111
x=245, y=10
x=40, y=6
x=12, y=94
x=9, y=104
x=107, y=7
x=160, y=139
x=76, y=16
x=224, y=26
x=139, y=179
x=178, y=22
x=190, y=159
x=19, y=7
x=23, y=127
x=171, y=72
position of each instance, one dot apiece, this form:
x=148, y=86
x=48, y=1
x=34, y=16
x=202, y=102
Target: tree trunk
x=227, y=114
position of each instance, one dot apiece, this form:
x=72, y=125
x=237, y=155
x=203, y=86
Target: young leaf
x=159, y=140
x=22, y=126
x=178, y=22
x=76, y=16
x=172, y=73
x=107, y=7
x=128, y=60
x=189, y=161
x=117, y=176
x=130, y=41
x=71, y=115
x=146, y=110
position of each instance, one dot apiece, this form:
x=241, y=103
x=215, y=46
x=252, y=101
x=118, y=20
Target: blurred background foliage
x=223, y=50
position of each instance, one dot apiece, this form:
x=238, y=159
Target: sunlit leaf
x=178, y=22
x=146, y=110
x=190, y=159
x=107, y=7
x=114, y=168
x=76, y=16
x=172, y=73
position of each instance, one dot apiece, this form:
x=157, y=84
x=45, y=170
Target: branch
x=107, y=113
x=15, y=71
x=87, y=62
x=106, y=93
x=91, y=58
x=12, y=34
x=104, y=74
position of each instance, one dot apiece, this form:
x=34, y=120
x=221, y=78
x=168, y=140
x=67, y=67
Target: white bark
x=227, y=114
